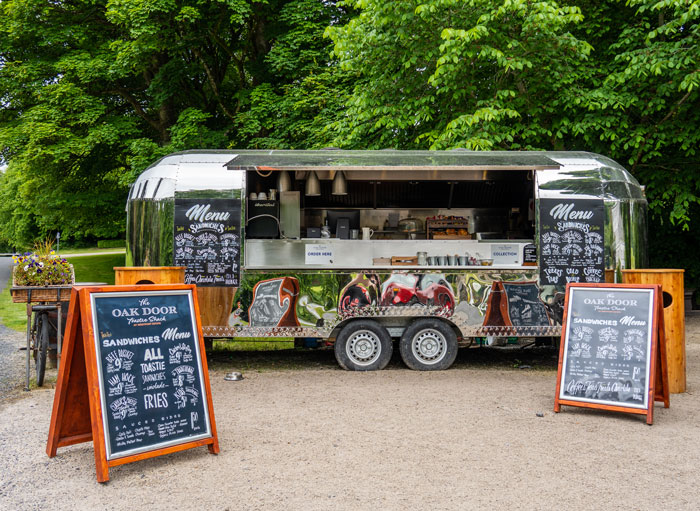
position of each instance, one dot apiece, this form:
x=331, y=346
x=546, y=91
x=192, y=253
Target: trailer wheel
x=363, y=345
x=428, y=345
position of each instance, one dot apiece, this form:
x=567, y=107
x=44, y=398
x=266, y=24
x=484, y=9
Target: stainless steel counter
x=334, y=253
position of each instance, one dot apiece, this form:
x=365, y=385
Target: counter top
x=334, y=254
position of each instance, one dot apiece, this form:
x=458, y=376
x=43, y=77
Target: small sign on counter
x=505, y=253
x=318, y=254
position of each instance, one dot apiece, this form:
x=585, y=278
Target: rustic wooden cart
x=41, y=300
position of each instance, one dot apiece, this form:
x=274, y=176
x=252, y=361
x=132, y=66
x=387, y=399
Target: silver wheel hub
x=363, y=347
x=429, y=346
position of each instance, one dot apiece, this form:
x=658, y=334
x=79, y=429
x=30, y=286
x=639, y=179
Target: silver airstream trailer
x=437, y=249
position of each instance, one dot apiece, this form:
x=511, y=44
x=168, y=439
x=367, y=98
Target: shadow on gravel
x=531, y=358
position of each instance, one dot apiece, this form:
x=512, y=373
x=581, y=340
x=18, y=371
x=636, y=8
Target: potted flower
x=41, y=276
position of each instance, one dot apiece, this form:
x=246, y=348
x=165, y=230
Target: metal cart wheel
x=41, y=346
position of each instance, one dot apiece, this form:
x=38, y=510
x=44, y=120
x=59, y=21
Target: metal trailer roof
x=559, y=173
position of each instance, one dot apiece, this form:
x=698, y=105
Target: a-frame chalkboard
x=613, y=352
x=133, y=378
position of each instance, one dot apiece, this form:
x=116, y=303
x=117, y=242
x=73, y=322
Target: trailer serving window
x=492, y=192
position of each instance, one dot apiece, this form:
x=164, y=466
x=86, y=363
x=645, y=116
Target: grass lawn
x=68, y=252
x=87, y=269
x=97, y=268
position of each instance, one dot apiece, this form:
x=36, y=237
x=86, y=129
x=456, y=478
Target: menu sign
x=150, y=372
x=607, y=346
x=524, y=305
x=571, y=241
x=207, y=241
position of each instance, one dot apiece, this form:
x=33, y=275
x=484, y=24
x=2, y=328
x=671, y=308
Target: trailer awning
x=390, y=160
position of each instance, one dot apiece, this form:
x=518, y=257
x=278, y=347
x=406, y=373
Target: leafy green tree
x=93, y=91
x=479, y=74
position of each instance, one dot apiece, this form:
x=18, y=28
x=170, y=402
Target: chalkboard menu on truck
x=150, y=372
x=524, y=305
x=207, y=241
x=607, y=346
x=571, y=241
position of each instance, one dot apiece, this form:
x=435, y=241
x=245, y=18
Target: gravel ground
x=306, y=435
x=12, y=361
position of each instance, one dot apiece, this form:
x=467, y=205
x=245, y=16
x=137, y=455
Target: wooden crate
x=440, y=236
x=132, y=275
x=404, y=261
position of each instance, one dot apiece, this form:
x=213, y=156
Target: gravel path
x=12, y=361
x=320, y=438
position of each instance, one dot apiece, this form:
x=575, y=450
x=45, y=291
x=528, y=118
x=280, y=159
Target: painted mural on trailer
x=325, y=298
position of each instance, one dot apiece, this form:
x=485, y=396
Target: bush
x=111, y=244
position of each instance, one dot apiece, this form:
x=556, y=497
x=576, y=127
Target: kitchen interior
x=407, y=218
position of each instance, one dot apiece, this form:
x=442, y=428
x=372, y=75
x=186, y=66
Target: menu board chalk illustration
x=571, y=241
x=150, y=371
x=524, y=305
x=607, y=346
x=207, y=241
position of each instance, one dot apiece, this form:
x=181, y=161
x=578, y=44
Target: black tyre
x=428, y=345
x=363, y=345
x=42, y=348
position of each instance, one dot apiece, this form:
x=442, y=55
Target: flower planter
x=27, y=294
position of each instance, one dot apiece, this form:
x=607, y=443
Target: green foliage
x=444, y=74
x=641, y=103
x=95, y=91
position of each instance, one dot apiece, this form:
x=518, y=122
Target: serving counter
x=332, y=253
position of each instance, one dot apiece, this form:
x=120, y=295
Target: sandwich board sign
x=613, y=351
x=134, y=377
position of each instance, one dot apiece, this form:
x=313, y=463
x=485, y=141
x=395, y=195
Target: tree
x=94, y=91
x=478, y=74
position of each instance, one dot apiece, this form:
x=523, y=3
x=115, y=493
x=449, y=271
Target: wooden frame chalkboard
x=134, y=380
x=612, y=352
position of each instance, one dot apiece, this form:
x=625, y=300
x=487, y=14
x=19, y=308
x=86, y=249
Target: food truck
x=362, y=250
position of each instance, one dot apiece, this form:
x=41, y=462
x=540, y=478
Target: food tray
x=404, y=261
x=439, y=236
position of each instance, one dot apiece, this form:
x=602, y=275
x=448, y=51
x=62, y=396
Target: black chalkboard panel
x=150, y=371
x=524, y=305
x=571, y=241
x=207, y=241
x=607, y=346
x=530, y=254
